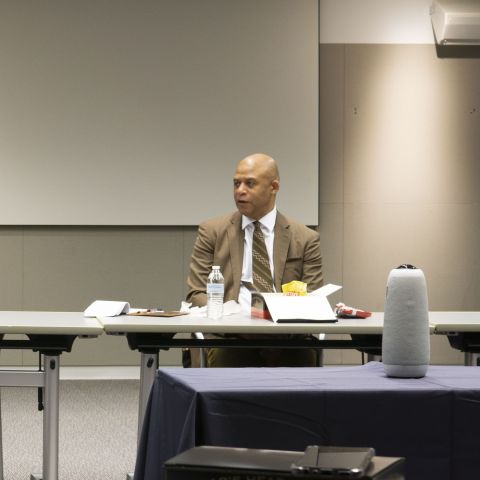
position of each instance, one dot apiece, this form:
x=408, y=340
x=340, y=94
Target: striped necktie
x=262, y=275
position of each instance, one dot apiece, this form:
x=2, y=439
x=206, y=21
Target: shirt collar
x=268, y=221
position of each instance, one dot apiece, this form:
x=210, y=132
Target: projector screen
x=135, y=112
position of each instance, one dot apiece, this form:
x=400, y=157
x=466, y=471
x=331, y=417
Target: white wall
x=375, y=21
x=399, y=166
x=129, y=112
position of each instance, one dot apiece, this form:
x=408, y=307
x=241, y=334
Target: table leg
x=1, y=443
x=371, y=357
x=50, y=418
x=149, y=365
x=471, y=359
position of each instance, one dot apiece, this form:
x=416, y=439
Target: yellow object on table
x=295, y=287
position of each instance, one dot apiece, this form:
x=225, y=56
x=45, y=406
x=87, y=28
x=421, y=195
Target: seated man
x=237, y=242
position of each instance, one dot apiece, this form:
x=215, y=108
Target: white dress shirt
x=267, y=224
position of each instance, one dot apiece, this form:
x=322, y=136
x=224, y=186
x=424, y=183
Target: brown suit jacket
x=296, y=256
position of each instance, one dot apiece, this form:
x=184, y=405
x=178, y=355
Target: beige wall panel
x=12, y=357
x=395, y=234
x=332, y=98
x=189, y=236
x=343, y=356
x=331, y=242
x=332, y=58
x=331, y=224
x=352, y=357
x=442, y=353
x=332, y=357
x=68, y=268
x=11, y=281
x=411, y=126
x=11, y=265
x=410, y=168
x=441, y=239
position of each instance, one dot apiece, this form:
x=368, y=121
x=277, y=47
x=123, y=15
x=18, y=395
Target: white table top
x=445, y=322
x=237, y=323
x=52, y=323
x=74, y=323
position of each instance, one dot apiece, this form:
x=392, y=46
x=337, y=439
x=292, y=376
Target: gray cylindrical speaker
x=406, y=338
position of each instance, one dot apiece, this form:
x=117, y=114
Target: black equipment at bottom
x=334, y=463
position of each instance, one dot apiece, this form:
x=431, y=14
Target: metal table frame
x=462, y=330
x=50, y=334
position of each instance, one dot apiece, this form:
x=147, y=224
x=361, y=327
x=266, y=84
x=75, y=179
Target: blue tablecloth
x=433, y=422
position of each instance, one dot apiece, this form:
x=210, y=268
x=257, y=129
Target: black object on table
x=215, y=463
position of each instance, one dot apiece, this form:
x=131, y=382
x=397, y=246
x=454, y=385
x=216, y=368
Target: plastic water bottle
x=215, y=290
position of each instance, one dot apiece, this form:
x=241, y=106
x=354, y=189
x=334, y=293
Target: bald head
x=255, y=185
x=261, y=163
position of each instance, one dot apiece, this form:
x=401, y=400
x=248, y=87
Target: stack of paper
x=313, y=307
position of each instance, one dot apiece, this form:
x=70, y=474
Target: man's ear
x=275, y=185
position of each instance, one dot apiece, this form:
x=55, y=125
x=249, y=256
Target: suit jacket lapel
x=236, y=244
x=280, y=248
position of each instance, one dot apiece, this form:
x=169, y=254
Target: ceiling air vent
x=456, y=22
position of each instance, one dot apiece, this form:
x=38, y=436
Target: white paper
x=293, y=307
x=326, y=290
x=106, y=308
x=229, y=308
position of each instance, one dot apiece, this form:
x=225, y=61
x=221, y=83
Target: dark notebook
x=215, y=463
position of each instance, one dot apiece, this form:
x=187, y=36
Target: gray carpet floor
x=98, y=430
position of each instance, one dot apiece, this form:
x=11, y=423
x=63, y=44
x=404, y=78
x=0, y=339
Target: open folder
x=106, y=308
x=312, y=308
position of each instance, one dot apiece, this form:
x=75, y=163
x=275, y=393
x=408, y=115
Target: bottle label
x=215, y=288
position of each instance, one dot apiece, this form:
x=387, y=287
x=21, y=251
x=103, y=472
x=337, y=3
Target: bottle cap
x=407, y=265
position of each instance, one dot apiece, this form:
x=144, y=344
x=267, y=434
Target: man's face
x=254, y=190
